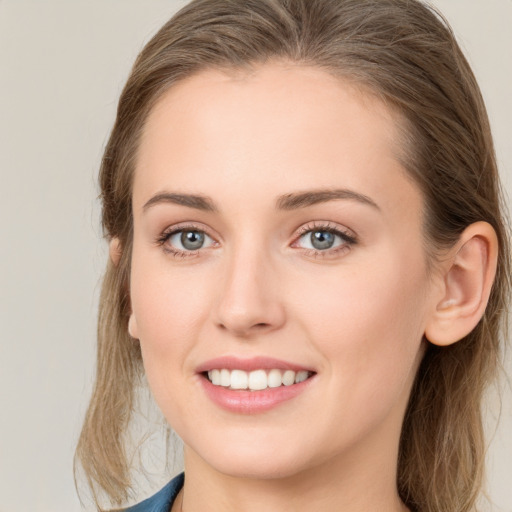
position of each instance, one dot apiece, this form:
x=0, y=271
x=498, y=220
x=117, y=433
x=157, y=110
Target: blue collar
x=161, y=501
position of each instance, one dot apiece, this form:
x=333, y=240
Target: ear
x=467, y=276
x=133, y=329
x=115, y=250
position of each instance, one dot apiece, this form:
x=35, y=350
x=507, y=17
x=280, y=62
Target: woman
x=308, y=260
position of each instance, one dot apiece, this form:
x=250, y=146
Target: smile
x=254, y=385
x=256, y=380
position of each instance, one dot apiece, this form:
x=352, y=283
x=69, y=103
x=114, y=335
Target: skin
x=356, y=316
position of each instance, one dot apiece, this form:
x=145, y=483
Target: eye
x=324, y=239
x=185, y=241
x=320, y=240
x=189, y=240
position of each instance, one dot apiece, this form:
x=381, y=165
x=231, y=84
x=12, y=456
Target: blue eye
x=323, y=239
x=184, y=241
x=317, y=239
x=189, y=240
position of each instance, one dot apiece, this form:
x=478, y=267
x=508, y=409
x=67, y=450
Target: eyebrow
x=293, y=201
x=311, y=197
x=192, y=201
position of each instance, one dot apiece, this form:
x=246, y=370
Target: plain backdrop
x=62, y=67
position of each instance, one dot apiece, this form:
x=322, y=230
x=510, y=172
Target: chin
x=258, y=468
x=253, y=459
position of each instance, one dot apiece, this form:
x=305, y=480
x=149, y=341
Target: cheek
x=368, y=323
x=168, y=306
x=168, y=320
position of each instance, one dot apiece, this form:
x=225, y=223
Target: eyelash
x=347, y=238
x=168, y=233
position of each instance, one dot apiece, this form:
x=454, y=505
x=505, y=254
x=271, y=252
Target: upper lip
x=249, y=364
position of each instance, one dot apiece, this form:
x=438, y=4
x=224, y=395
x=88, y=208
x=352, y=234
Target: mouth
x=255, y=385
x=256, y=380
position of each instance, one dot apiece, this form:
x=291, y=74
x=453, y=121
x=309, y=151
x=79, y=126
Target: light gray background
x=63, y=64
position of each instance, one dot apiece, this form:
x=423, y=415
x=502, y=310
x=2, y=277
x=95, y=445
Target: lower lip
x=252, y=402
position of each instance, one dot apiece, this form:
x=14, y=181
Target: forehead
x=278, y=126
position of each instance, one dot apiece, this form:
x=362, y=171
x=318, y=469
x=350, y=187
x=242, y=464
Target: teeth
x=257, y=379
x=301, y=376
x=274, y=379
x=225, y=378
x=215, y=377
x=288, y=378
x=239, y=379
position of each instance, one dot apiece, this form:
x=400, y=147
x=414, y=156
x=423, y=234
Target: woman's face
x=277, y=237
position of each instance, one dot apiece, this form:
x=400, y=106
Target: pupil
x=322, y=239
x=192, y=240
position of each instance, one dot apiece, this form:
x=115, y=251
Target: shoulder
x=162, y=500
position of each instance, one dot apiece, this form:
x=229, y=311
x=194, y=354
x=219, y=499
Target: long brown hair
x=405, y=53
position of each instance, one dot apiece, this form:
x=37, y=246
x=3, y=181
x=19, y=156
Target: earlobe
x=468, y=274
x=133, y=329
x=115, y=250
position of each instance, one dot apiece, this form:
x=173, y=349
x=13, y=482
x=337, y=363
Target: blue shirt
x=161, y=501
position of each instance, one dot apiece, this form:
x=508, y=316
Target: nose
x=249, y=300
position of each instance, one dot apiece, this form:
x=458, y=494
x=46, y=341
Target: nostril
x=245, y=331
